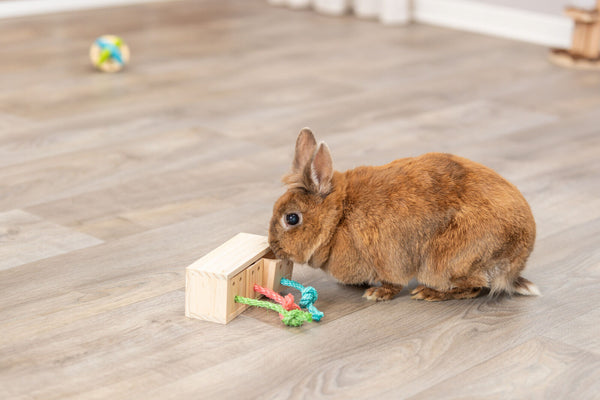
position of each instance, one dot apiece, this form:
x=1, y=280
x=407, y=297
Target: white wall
x=554, y=7
x=20, y=8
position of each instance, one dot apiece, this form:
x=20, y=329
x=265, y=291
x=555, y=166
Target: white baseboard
x=366, y=8
x=470, y=15
x=331, y=7
x=394, y=12
x=9, y=9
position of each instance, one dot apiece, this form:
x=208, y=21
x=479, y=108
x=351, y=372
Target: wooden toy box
x=232, y=269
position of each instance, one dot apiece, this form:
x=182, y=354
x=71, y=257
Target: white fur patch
x=314, y=176
x=530, y=290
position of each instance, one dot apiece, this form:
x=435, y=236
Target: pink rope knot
x=286, y=302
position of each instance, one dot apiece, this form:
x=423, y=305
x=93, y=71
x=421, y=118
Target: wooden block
x=592, y=41
x=579, y=38
x=254, y=276
x=232, y=269
x=236, y=286
x=214, y=280
x=205, y=296
x=274, y=270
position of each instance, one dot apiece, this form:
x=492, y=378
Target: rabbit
x=456, y=226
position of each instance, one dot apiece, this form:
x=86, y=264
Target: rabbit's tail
x=525, y=287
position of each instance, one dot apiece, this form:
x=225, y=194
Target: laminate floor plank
x=66, y=175
x=25, y=238
x=539, y=368
x=579, y=332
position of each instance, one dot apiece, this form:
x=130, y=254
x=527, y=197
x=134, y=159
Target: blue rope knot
x=316, y=314
x=309, y=297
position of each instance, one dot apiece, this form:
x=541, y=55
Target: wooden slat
x=233, y=256
x=580, y=34
x=592, y=44
x=585, y=16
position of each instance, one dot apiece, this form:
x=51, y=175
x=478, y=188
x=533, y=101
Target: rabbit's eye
x=292, y=219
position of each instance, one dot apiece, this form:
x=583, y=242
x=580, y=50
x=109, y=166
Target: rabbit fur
x=456, y=226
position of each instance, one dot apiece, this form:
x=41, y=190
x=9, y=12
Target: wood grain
x=131, y=177
x=25, y=238
x=580, y=332
x=545, y=367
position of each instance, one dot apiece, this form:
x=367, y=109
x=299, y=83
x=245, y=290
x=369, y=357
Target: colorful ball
x=109, y=53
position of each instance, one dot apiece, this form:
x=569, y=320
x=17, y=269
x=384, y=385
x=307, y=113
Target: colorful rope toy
x=286, y=302
x=309, y=297
x=294, y=317
x=289, y=312
x=109, y=53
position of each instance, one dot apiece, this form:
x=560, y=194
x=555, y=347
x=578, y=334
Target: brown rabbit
x=454, y=225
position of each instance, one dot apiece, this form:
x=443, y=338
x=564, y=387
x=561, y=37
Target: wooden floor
x=110, y=185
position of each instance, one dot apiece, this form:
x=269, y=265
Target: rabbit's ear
x=305, y=148
x=321, y=169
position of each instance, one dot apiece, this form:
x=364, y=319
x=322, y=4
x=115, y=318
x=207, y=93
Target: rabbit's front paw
x=384, y=292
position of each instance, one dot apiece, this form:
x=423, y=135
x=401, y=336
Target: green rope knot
x=296, y=317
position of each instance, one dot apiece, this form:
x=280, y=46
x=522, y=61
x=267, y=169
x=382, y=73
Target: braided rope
x=287, y=302
x=290, y=318
x=309, y=297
